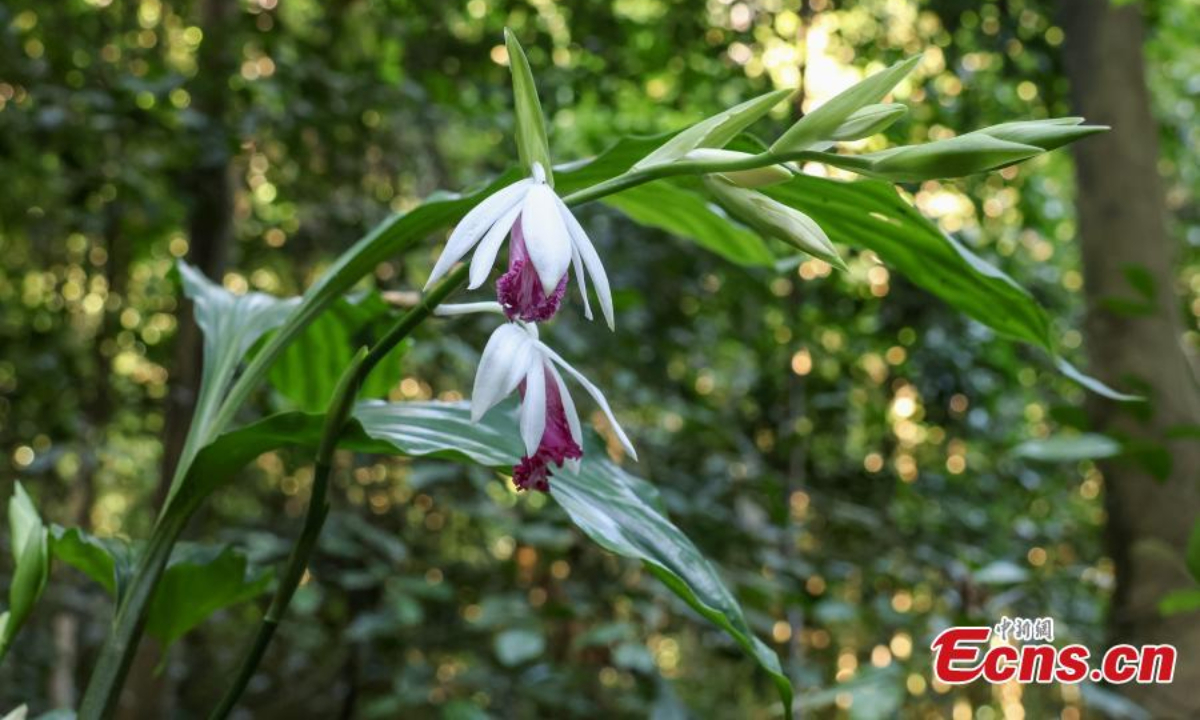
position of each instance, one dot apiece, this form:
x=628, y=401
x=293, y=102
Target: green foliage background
x=839, y=444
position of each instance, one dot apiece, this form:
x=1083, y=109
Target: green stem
x=100, y=698
x=633, y=178
x=318, y=504
x=314, y=520
x=117, y=654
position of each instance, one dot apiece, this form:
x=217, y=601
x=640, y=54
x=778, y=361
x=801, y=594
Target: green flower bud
x=774, y=219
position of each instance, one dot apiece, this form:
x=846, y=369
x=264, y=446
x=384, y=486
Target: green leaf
x=872, y=216
x=1180, y=601
x=22, y=711
x=199, y=581
x=31, y=568
x=716, y=131
x=614, y=508
x=23, y=520
x=1069, y=448
x=231, y=325
x=621, y=512
x=532, y=146
x=954, y=157
x=824, y=122
x=1093, y=384
x=517, y=646
x=868, y=121
x=687, y=214
x=308, y=370
x=108, y=561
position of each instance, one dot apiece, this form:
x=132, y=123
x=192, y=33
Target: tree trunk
x=209, y=187
x=1122, y=223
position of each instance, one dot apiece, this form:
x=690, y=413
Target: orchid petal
x=505, y=356
x=489, y=247
x=587, y=252
x=568, y=406
x=596, y=395
x=451, y=309
x=581, y=280
x=475, y=223
x=533, y=408
x=546, y=237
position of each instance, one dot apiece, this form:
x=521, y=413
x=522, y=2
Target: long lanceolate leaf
x=231, y=325
x=688, y=214
x=871, y=215
x=614, y=508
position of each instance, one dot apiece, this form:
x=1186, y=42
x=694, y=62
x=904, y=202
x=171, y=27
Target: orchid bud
x=757, y=177
x=774, y=219
x=825, y=121
x=1046, y=134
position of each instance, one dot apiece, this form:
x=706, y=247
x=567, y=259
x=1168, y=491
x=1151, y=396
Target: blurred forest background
x=862, y=462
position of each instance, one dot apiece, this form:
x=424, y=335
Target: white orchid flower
x=515, y=359
x=547, y=240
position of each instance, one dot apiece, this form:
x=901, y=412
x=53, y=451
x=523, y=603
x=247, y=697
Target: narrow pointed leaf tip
x=532, y=146
x=716, y=131
x=869, y=120
x=824, y=122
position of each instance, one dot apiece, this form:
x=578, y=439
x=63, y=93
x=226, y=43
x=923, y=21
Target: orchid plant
x=743, y=191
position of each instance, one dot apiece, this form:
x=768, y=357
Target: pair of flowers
x=546, y=241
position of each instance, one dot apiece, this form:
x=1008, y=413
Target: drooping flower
x=515, y=359
x=547, y=240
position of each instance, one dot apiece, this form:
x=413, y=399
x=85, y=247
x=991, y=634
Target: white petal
x=506, y=356
x=533, y=408
x=475, y=223
x=546, y=237
x=587, y=252
x=568, y=406
x=450, y=309
x=489, y=247
x=596, y=395
x=581, y=280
